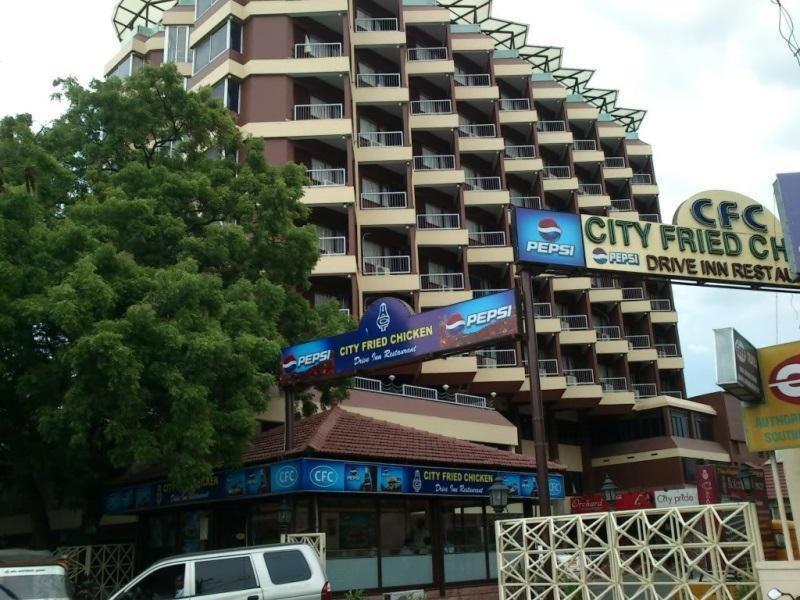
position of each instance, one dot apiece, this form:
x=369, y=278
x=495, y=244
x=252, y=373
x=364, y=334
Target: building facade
x=422, y=124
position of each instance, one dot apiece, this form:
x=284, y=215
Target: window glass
x=233, y=94
x=236, y=36
x=287, y=566
x=406, y=542
x=351, y=526
x=680, y=423
x=464, y=541
x=163, y=583
x=223, y=575
x=203, y=5
x=702, y=427
x=211, y=46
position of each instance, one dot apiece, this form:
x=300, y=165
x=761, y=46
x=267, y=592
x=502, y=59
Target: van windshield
x=33, y=587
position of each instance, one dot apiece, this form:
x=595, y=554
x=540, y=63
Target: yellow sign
x=775, y=424
x=716, y=236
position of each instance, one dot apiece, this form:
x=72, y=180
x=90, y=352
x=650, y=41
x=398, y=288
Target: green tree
x=148, y=279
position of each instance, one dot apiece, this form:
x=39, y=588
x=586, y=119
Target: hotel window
x=227, y=36
x=178, y=50
x=680, y=423
x=127, y=67
x=703, y=429
x=227, y=90
x=202, y=6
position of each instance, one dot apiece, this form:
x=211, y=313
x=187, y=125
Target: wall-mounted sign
x=775, y=424
x=624, y=501
x=717, y=236
x=787, y=197
x=390, y=333
x=737, y=365
x=675, y=498
x=322, y=475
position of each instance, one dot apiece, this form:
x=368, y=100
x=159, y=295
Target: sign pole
x=537, y=407
x=776, y=481
x=288, y=427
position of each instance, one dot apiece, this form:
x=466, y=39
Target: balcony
x=592, y=195
x=514, y=104
x=305, y=112
x=633, y=293
x=415, y=391
x=638, y=342
x=484, y=191
x=651, y=217
x=640, y=349
x=614, y=385
x=642, y=179
x=385, y=208
x=333, y=246
x=557, y=172
x=534, y=202
x=487, y=239
x=590, y=189
x=516, y=110
x=489, y=247
x=480, y=293
x=382, y=147
x=551, y=126
x=616, y=167
x=662, y=311
x=380, y=139
x=610, y=340
x=483, y=184
x=667, y=350
x=433, y=114
x=318, y=50
x=575, y=330
x=310, y=121
x=473, y=80
x=661, y=305
x=440, y=230
x=621, y=205
x=383, y=200
x=574, y=322
x=327, y=177
x=615, y=162
x=439, y=221
x=386, y=265
x=483, y=130
x=327, y=186
x=553, y=132
x=475, y=87
x=669, y=357
x=378, y=80
x=549, y=367
x=521, y=159
x=579, y=377
x=433, y=170
x=605, y=288
x=429, y=61
x=427, y=54
x=479, y=138
x=334, y=259
x=435, y=162
x=584, y=145
x=379, y=88
x=642, y=184
x=559, y=178
x=519, y=152
x=607, y=333
x=585, y=151
x=496, y=359
x=431, y=107
x=542, y=310
x=441, y=282
x=381, y=24
x=644, y=390
x=387, y=274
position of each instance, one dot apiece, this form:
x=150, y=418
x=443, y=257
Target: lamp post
x=284, y=516
x=609, y=491
x=776, y=594
x=747, y=479
x=498, y=494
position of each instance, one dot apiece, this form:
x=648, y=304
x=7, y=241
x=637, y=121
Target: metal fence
x=416, y=54
x=107, y=566
x=642, y=179
x=652, y=217
x=551, y=126
x=527, y=201
x=439, y=221
x=621, y=204
x=481, y=292
x=477, y=130
x=542, y=310
x=667, y=350
x=548, y=367
x=707, y=552
x=614, y=385
x=441, y=282
x=633, y=293
x=493, y=359
x=380, y=139
x=483, y=184
x=318, y=50
x=487, y=239
x=417, y=391
x=382, y=24
x=306, y=112
x=638, y=342
x=326, y=177
x=386, y=265
x=607, y=333
x=473, y=80
x=557, y=172
x=574, y=322
x=590, y=189
x=645, y=390
x=661, y=305
x=512, y=104
x=434, y=162
x=333, y=245
x=431, y=107
x=615, y=162
x=585, y=145
x=579, y=376
x=371, y=200
x=378, y=80
x=520, y=152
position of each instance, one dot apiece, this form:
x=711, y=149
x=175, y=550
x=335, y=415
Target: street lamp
x=609, y=490
x=747, y=478
x=498, y=494
x=284, y=516
x=776, y=594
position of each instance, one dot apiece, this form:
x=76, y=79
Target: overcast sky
x=721, y=90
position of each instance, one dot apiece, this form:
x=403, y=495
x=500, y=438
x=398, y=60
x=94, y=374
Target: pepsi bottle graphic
x=367, y=485
x=416, y=485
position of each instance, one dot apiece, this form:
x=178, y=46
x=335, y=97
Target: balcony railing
x=608, y=333
x=661, y=305
x=642, y=178
x=615, y=162
x=526, y=151
x=382, y=24
x=327, y=177
x=551, y=126
x=585, y=145
x=380, y=139
x=417, y=391
x=471, y=400
x=473, y=80
x=318, y=50
x=652, y=217
x=604, y=282
x=368, y=384
x=482, y=130
x=386, y=265
x=487, y=239
x=431, y=107
x=621, y=204
x=435, y=162
x=496, y=359
x=418, y=54
x=614, y=385
x=378, y=80
x=377, y=200
x=441, y=282
x=511, y=104
x=574, y=322
x=672, y=393
x=667, y=350
x=542, y=310
x=439, y=221
x=548, y=367
x=481, y=292
x=633, y=293
x=638, y=342
x=483, y=184
x=333, y=246
x=527, y=201
x=590, y=189
x=306, y=112
x=644, y=390
x=559, y=172
x=579, y=376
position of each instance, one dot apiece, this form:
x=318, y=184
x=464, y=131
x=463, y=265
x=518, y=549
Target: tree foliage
x=148, y=280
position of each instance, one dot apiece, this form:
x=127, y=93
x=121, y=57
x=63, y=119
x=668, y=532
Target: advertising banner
x=717, y=236
x=737, y=365
x=775, y=424
x=625, y=501
x=391, y=333
x=675, y=498
x=787, y=197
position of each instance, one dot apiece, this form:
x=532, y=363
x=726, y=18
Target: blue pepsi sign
x=548, y=238
x=391, y=333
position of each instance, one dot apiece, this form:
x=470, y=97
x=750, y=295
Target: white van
x=276, y=572
x=34, y=582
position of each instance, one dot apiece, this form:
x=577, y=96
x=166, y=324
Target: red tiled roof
x=343, y=434
x=770, y=484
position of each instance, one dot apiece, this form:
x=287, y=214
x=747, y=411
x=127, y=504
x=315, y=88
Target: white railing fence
x=439, y=221
x=481, y=292
x=494, y=359
x=477, y=130
x=557, y=172
x=621, y=204
x=590, y=189
x=379, y=80
x=380, y=139
x=707, y=551
x=551, y=126
x=527, y=201
x=548, y=367
x=579, y=376
x=417, y=391
x=434, y=162
x=645, y=390
x=370, y=200
x=661, y=304
x=306, y=112
x=333, y=245
x=431, y=107
x=667, y=350
x=487, y=238
x=441, y=282
x=438, y=53
x=582, y=145
x=633, y=293
x=638, y=342
x=381, y=24
x=615, y=162
x=483, y=184
x=318, y=50
x=642, y=179
x=604, y=282
x=574, y=322
x=608, y=333
x=326, y=177
x=473, y=80
x=542, y=310
x=614, y=385
x=520, y=152
x=515, y=104
x=108, y=566
x=386, y=265
x=652, y=217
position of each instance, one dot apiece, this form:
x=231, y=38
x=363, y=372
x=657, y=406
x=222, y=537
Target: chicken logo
x=384, y=320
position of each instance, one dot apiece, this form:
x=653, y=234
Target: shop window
x=223, y=576
x=350, y=525
x=264, y=528
x=702, y=427
x=464, y=541
x=194, y=531
x=406, y=550
x=515, y=510
x=288, y=566
x=680, y=423
x=163, y=583
x=689, y=473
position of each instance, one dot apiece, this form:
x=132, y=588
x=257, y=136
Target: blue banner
x=547, y=237
x=391, y=333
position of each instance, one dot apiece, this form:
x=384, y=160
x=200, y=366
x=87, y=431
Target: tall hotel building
x=421, y=124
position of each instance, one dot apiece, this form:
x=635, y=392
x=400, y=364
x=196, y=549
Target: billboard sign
x=737, y=365
x=390, y=333
x=596, y=503
x=787, y=197
x=775, y=424
x=676, y=498
x=717, y=236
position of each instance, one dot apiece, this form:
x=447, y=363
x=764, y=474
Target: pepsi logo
x=549, y=230
x=600, y=256
x=289, y=363
x=784, y=381
x=454, y=323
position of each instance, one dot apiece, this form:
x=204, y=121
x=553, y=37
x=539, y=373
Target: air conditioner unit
x=382, y=270
x=572, y=380
x=405, y=595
